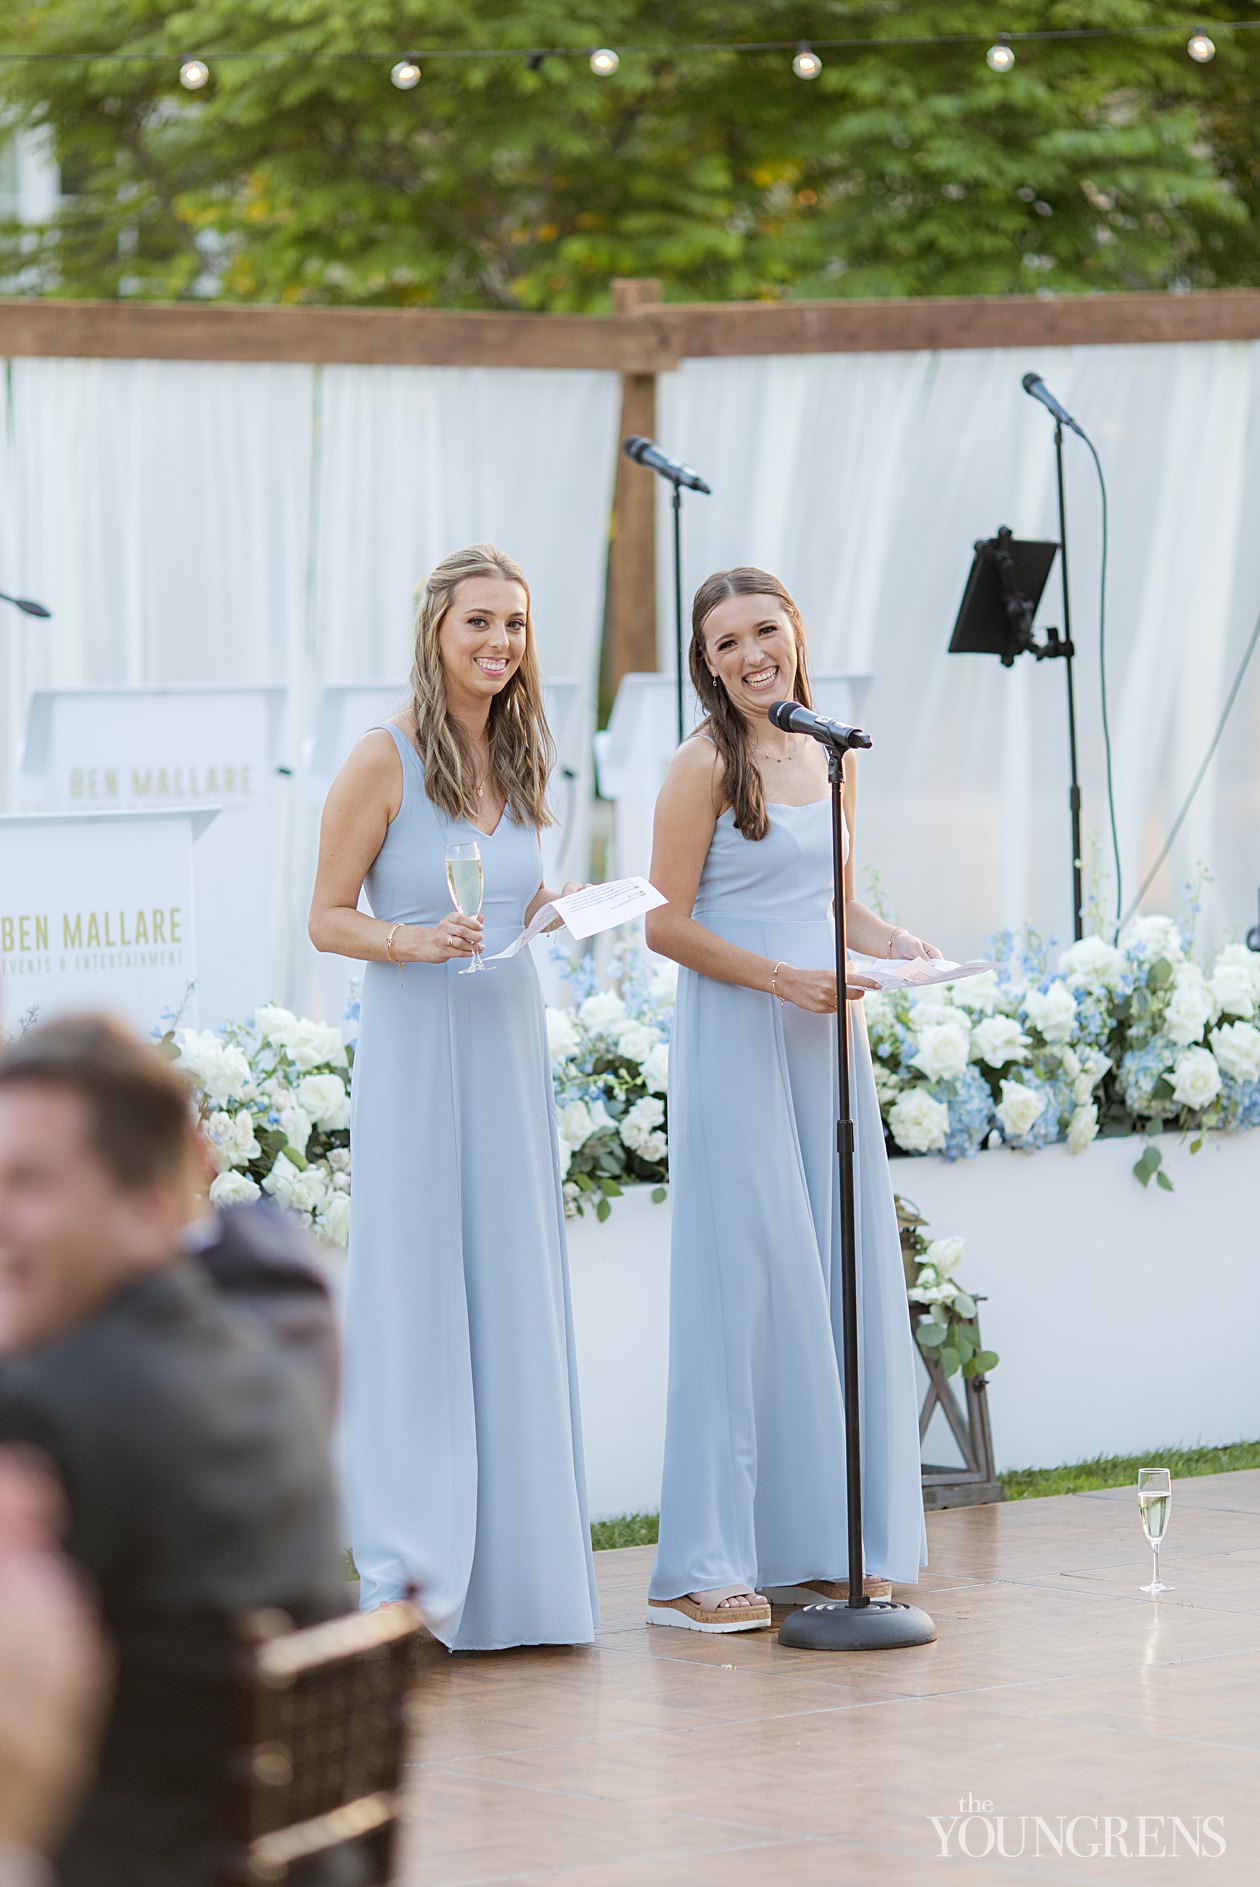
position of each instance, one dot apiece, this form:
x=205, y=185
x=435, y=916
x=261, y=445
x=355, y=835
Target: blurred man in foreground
x=191, y=1447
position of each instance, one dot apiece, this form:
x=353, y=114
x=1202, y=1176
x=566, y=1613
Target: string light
x=1001, y=55
x=1200, y=48
x=193, y=74
x=604, y=62
x=807, y=64
x=406, y=74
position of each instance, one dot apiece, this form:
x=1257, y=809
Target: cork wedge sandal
x=837, y=1590
x=684, y=1612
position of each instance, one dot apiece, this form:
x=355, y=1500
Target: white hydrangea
x=1082, y=1127
x=1019, y=1108
x=640, y=1122
x=1189, y=1006
x=1196, y=1078
x=999, y=1040
x=326, y=1099
x=656, y=1069
x=942, y=1292
x=219, y=1070
x=655, y=1147
x=563, y=1038
x=233, y=1189
x=945, y=1255
x=917, y=1123
x=1239, y=957
x=339, y=1159
x=333, y=1219
x=888, y=1085
x=942, y=1053
x=1232, y=989
x=1236, y=1046
x=1153, y=936
x=601, y=1012
x=1052, y=1012
x=1092, y=961
x=232, y=1138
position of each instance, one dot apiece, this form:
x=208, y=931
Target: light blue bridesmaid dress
x=754, y=1480
x=463, y=1435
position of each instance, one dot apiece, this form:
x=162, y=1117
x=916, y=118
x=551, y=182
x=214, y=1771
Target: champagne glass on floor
x=1155, y=1507
x=463, y=880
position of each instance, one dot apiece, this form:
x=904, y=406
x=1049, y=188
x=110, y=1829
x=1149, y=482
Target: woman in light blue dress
x=462, y=1431
x=753, y=1503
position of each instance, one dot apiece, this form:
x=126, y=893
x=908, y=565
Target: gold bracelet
x=389, y=952
x=898, y=930
x=773, y=984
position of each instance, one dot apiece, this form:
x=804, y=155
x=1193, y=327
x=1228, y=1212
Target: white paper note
x=920, y=972
x=586, y=913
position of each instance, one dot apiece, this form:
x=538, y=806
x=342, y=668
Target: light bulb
x=807, y=64
x=1000, y=57
x=1200, y=48
x=604, y=62
x=193, y=74
x=406, y=74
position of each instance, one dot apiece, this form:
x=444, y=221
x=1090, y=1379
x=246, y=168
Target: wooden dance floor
x=1055, y=1690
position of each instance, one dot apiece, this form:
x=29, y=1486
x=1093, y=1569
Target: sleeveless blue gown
x=754, y=1478
x=463, y=1434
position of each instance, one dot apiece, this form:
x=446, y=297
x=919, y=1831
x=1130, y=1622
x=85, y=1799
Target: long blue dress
x=754, y=1480
x=463, y=1435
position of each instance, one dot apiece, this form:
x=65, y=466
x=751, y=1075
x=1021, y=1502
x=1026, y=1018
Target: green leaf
x=610, y=1188
x=930, y=1334
x=965, y=1305
x=583, y=1182
x=951, y=1362
x=659, y=1195
x=603, y=1209
x=987, y=1360
x=1147, y=1165
x=939, y=1314
x=1196, y=1146
x=1162, y=1179
x=1160, y=973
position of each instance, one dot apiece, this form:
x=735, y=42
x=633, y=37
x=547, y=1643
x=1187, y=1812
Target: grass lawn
x=1078, y=1477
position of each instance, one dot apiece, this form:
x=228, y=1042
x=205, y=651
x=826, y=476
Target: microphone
x=25, y=604
x=794, y=719
x=643, y=452
x=1036, y=388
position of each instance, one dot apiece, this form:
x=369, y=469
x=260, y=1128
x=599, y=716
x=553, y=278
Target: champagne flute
x=1154, y=1492
x=463, y=881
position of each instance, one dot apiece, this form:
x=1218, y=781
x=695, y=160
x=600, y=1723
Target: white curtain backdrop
x=862, y=480
x=194, y=522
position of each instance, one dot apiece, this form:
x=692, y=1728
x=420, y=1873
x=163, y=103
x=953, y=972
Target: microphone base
x=879, y=1625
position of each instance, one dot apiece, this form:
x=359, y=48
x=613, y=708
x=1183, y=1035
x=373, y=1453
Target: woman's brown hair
x=522, y=752
x=725, y=724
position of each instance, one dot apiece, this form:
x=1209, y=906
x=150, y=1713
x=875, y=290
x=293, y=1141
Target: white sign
x=110, y=749
x=97, y=912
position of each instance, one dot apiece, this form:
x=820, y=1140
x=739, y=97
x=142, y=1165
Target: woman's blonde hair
x=522, y=752
x=725, y=724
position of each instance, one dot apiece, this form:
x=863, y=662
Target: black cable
x=1102, y=673
x=1197, y=782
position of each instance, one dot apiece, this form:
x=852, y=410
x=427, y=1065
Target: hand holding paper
x=919, y=972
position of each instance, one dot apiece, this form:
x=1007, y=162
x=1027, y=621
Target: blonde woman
x=753, y=1500
x=463, y=1441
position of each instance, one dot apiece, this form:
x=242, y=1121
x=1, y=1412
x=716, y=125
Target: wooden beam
x=705, y=331
x=630, y=615
x=112, y=330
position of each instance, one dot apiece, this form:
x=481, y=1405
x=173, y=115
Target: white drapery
x=862, y=480
x=209, y=522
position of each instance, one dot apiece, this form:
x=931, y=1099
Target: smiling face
x=750, y=648
x=481, y=639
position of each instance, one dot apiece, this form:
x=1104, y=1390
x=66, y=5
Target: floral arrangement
x=947, y=1329
x=1119, y=1038
x=274, y=1100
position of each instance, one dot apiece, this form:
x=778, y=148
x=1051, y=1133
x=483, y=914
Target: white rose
x=1196, y=1078
x=274, y=1023
x=334, y=1219
x=1092, y=961
x=1232, y=991
x=982, y=993
x=220, y=1070
x=563, y=1039
x=1236, y=1046
x=655, y=1147
x=315, y=1045
x=1238, y=956
x=1189, y=1006
x=664, y=984
x=637, y=1041
x=656, y=1069
x=1019, y=1108
x=295, y=1124
x=1152, y=937
x=1082, y=1127
x=311, y=1191
x=279, y=1181
x=945, y=1255
x=931, y=1013
x=325, y=1099
x=574, y=1122
x=942, y=1293
x=233, y=1137
x=887, y=1084
x=942, y=1053
x=233, y=1189
x=1070, y=1062
x=600, y=1012
x=641, y=1120
x=1052, y=1012
x=918, y=1123
x=999, y=1040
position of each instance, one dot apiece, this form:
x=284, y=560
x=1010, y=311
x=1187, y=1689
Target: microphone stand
x=859, y=1623
x=1068, y=650
x=678, y=609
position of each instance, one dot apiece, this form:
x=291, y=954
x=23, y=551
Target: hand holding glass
x=463, y=881
x=1154, y=1491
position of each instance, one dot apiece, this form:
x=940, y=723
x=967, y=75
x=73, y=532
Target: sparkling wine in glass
x=1154, y=1491
x=463, y=881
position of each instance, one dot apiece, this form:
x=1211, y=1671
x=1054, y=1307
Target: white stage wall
x=863, y=480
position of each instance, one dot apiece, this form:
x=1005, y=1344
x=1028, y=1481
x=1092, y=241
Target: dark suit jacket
x=194, y=1455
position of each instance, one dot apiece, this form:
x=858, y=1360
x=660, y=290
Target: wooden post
x=630, y=615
